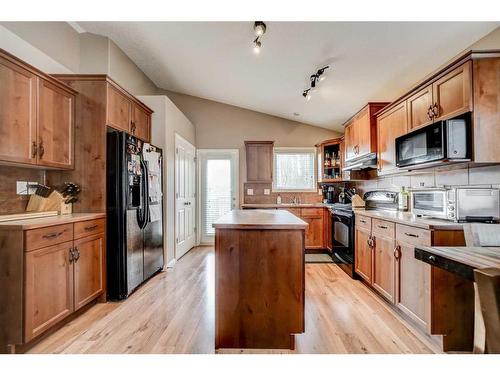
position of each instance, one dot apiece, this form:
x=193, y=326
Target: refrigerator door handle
x=145, y=181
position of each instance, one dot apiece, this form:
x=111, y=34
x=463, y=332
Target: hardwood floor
x=174, y=313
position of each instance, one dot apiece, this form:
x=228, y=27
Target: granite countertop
x=407, y=218
x=285, y=205
x=259, y=219
x=48, y=221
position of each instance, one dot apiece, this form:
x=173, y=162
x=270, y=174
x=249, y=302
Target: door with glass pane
x=218, y=188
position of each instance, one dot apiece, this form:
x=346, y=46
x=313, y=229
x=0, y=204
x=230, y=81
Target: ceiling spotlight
x=307, y=94
x=256, y=45
x=314, y=79
x=259, y=27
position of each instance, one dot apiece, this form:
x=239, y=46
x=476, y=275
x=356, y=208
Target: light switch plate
x=21, y=187
x=249, y=191
x=267, y=191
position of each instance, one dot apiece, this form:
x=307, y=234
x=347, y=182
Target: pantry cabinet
x=37, y=116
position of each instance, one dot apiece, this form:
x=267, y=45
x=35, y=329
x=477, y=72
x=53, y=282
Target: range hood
x=368, y=161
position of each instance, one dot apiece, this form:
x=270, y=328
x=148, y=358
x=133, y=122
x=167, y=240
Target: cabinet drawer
x=412, y=235
x=311, y=212
x=383, y=228
x=89, y=227
x=48, y=236
x=363, y=222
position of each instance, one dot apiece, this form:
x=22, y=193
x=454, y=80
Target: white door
x=185, y=196
x=218, y=188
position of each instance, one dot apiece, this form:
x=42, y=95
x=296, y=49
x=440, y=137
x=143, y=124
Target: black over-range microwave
x=443, y=141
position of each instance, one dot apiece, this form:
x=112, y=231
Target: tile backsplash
x=10, y=202
x=286, y=197
x=485, y=176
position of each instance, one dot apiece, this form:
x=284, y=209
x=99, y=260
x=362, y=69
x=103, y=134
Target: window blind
x=294, y=169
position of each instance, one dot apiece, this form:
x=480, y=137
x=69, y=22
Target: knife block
x=54, y=202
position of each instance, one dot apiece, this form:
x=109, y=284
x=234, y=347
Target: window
x=294, y=169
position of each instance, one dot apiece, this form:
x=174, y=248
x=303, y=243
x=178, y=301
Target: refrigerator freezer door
x=153, y=248
x=135, y=259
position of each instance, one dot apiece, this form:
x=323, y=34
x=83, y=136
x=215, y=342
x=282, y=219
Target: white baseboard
x=171, y=263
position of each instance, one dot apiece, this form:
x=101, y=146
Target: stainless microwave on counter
x=441, y=142
x=457, y=204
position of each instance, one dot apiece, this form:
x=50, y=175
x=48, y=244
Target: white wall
x=168, y=120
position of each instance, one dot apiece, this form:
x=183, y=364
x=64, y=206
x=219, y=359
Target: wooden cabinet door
x=118, y=109
x=141, y=123
x=363, y=255
x=363, y=132
x=350, y=141
x=412, y=285
x=419, y=107
x=314, y=232
x=327, y=220
x=17, y=114
x=259, y=157
x=390, y=125
x=88, y=269
x=383, y=266
x=48, y=288
x=55, y=125
x=452, y=93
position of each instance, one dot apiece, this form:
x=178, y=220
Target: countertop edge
x=50, y=221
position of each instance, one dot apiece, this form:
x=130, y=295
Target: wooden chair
x=488, y=288
x=486, y=314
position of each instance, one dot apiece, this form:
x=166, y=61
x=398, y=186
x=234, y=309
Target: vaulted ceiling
x=370, y=61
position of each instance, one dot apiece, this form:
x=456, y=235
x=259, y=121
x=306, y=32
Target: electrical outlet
x=267, y=191
x=249, y=191
x=21, y=187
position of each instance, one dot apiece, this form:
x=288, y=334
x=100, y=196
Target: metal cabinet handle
x=52, y=235
x=432, y=258
x=397, y=252
x=76, y=256
x=71, y=255
x=411, y=235
x=435, y=110
x=382, y=226
x=362, y=221
x=133, y=127
x=34, y=149
x=91, y=227
x=430, y=113
x=41, y=149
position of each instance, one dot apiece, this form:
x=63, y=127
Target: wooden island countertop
x=259, y=279
x=260, y=219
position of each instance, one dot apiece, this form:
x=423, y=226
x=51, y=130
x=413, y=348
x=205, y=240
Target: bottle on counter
x=403, y=198
x=278, y=199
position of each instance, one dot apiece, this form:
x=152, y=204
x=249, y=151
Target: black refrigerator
x=134, y=213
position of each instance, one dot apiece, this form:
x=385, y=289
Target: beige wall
x=220, y=125
x=166, y=122
x=490, y=41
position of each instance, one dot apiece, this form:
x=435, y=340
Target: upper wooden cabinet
x=361, y=132
x=419, y=107
x=330, y=160
x=259, y=156
x=36, y=116
x=55, y=125
x=118, y=109
x=390, y=125
x=452, y=93
x=122, y=110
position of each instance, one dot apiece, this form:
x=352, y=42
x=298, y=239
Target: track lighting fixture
x=259, y=28
x=314, y=79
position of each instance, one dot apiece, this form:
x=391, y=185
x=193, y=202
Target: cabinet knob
x=71, y=255
x=430, y=112
x=435, y=110
x=34, y=149
x=397, y=252
x=41, y=149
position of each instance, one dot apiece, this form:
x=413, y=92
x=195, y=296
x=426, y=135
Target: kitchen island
x=259, y=279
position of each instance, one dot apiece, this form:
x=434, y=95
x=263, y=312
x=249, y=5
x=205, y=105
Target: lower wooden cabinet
x=363, y=254
x=383, y=266
x=49, y=288
x=88, y=269
x=314, y=232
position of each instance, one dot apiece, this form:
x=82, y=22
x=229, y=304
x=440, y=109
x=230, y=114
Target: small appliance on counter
x=457, y=204
x=381, y=200
x=328, y=193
